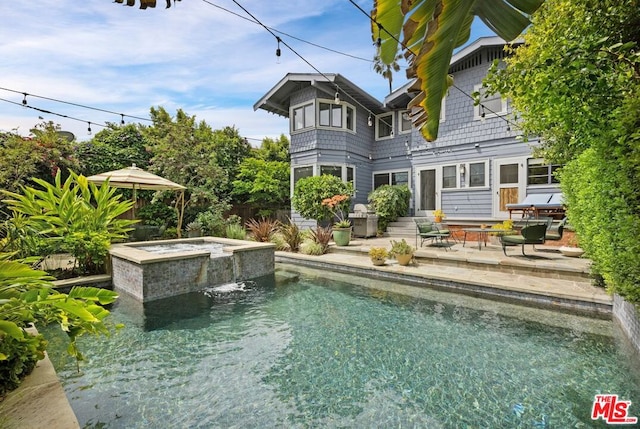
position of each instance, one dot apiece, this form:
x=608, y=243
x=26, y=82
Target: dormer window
x=490, y=106
x=384, y=126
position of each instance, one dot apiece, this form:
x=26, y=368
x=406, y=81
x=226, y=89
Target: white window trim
x=442, y=177
x=443, y=109
x=400, y=122
x=488, y=114
x=393, y=125
x=291, y=116
x=467, y=174
x=314, y=168
x=343, y=170
x=343, y=107
x=389, y=172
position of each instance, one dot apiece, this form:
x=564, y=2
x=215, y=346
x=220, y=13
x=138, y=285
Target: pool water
x=300, y=350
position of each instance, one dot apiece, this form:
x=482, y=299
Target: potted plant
x=338, y=205
x=439, y=215
x=502, y=228
x=194, y=229
x=401, y=251
x=378, y=255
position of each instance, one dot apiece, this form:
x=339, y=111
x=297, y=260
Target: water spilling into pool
x=299, y=350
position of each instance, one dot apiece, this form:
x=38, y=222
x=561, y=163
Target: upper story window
x=405, y=122
x=490, y=105
x=539, y=173
x=303, y=116
x=384, y=126
x=324, y=113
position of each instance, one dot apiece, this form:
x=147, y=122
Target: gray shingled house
x=477, y=165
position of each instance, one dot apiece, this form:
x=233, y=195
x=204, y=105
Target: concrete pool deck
x=544, y=278
x=547, y=278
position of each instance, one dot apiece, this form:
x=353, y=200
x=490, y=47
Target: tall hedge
x=389, y=203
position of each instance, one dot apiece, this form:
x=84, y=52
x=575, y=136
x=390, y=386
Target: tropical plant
x=75, y=216
x=309, y=193
x=322, y=236
x=27, y=296
x=389, y=203
x=432, y=30
x=291, y=235
x=338, y=205
x=263, y=229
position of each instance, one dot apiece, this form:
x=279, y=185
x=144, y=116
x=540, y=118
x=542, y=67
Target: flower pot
x=404, y=259
x=573, y=252
x=378, y=261
x=438, y=219
x=342, y=236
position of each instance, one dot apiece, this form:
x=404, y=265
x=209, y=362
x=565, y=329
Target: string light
x=370, y=120
x=89, y=129
x=278, y=52
x=337, y=99
x=24, y=100
x=121, y=119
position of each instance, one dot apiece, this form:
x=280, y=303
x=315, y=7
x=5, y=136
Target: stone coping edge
x=593, y=307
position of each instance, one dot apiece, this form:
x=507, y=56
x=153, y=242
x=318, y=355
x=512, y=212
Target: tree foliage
x=431, y=30
x=113, y=148
x=309, y=193
x=263, y=184
x=575, y=83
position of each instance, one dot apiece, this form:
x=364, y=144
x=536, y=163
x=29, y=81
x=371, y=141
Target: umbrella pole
x=180, y=203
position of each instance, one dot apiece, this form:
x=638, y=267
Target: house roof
x=277, y=100
x=400, y=97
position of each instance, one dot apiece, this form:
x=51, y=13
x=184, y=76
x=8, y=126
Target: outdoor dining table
x=482, y=235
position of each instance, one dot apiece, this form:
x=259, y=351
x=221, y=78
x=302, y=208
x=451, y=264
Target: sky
x=194, y=56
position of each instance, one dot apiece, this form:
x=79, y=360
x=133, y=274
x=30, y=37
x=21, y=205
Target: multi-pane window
x=449, y=179
x=304, y=117
x=330, y=115
x=390, y=178
x=405, y=122
x=332, y=170
x=477, y=174
x=302, y=172
x=384, y=126
x=539, y=173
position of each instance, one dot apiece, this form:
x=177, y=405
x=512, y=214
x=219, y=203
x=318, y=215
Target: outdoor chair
x=428, y=230
x=554, y=233
x=532, y=234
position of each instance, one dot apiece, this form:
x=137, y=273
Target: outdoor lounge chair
x=554, y=233
x=428, y=230
x=527, y=206
x=532, y=234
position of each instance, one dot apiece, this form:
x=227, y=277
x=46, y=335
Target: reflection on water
x=301, y=350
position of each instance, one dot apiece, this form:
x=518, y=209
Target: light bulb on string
x=89, y=129
x=24, y=100
x=370, y=120
x=337, y=99
x=121, y=118
x=278, y=51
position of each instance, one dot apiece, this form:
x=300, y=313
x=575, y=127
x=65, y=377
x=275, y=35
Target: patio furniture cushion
x=533, y=234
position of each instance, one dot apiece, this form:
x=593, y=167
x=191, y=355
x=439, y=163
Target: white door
x=427, y=194
x=509, y=184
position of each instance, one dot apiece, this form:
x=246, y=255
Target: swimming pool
x=299, y=350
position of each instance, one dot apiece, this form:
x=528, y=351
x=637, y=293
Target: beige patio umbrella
x=136, y=178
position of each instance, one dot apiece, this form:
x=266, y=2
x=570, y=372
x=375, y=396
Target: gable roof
x=400, y=97
x=278, y=99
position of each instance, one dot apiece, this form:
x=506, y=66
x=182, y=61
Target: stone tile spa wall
x=148, y=276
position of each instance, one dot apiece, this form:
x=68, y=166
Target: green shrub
x=309, y=247
x=236, y=232
x=212, y=223
x=309, y=193
x=170, y=233
x=158, y=213
x=90, y=250
x=277, y=239
x=389, y=203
